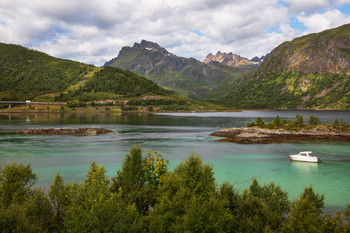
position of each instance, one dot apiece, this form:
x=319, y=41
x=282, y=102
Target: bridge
x=10, y=102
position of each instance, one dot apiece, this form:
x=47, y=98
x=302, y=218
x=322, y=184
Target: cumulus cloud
x=94, y=31
x=318, y=22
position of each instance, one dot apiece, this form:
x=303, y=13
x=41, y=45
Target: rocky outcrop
x=262, y=135
x=65, y=131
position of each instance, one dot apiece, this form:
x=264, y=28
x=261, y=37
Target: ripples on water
x=176, y=135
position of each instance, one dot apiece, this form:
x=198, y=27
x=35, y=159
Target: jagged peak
x=229, y=59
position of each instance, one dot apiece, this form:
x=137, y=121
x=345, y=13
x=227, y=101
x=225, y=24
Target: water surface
x=176, y=135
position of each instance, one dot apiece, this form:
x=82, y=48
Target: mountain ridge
x=187, y=76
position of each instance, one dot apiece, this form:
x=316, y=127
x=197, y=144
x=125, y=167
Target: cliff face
x=188, y=76
x=311, y=72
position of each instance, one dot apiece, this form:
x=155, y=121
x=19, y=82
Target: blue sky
x=94, y=31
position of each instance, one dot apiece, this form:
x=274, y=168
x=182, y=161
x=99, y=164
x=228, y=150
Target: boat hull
x=310, y=159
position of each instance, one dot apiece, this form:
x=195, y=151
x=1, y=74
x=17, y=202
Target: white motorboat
x=304, y=156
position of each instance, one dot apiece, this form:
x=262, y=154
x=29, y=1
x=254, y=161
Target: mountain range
x=309, y=72
x=209, y=79
x=312, y=71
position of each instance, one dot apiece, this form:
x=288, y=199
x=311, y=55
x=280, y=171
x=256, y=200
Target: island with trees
x=286, y=130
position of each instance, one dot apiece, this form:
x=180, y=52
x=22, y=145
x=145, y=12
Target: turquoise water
x=175, y=136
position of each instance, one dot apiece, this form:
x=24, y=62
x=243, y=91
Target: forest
x=144, y=196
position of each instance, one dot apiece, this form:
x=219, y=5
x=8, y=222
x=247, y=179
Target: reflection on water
x=304, y=167
x=176, y=135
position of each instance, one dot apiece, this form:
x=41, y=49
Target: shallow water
x=176, y=135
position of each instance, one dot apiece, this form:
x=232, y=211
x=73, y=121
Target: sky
x=94, y=31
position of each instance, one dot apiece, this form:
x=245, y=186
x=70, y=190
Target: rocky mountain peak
x=151, y=46
x=228, y=59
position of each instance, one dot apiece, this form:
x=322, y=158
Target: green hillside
x=111, y=82
x=25, y=73
x=28, y=74
x=310, y=72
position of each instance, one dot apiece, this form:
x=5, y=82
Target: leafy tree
x=38, y=211
x=232, y=201
x=305, y=214
x=155, y=167
x=277, y=121
x=58, y=199
x=22, y=209
x=299, y=122
x=15, y=184
x=131, y=181
x=94, y=208
x=259, y=122
x=188, y=202
x=314, y=120
x=262, y=208
x=131, y=176
x=335, y=123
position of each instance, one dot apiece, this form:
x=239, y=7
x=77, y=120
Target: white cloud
x=322, y=21
x=94, y=31
x=305, y=6
x=342, y=2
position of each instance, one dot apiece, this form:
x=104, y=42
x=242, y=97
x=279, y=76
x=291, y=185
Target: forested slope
x=25, y=73
x=28, y=74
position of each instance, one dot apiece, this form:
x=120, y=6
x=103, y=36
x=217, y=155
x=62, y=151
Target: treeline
x=172, y=103
x=298, y=123
x=144, y=196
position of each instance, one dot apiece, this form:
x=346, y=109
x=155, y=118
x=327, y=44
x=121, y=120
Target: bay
x=176, y=135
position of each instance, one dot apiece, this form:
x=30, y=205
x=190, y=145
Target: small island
x=283, y=130
x=65, y=131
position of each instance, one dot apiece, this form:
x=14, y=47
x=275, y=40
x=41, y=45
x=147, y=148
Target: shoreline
x=180, y=111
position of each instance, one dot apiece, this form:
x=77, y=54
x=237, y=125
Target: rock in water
x=65, y=131
x=262, y=135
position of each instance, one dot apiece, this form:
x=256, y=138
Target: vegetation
x=145, y=196
x=120, y=82
x=290, y=90
x=298, y=123
x=308, y=72
x=25, y=73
